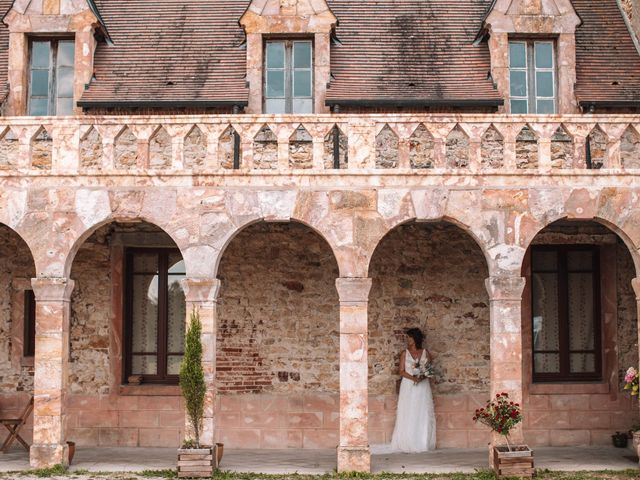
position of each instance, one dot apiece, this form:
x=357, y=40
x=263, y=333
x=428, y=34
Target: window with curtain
x=155, y=314
x=51, y=77
x=565, y=289
x=288, y=76
x=532, y=77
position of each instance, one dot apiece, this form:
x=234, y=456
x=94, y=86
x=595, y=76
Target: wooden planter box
x=195, y=462
x=515, y=463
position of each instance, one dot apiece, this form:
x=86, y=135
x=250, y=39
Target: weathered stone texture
x=387, y=148
x=226, y=147
x=265, y=150
x=630, y=149
x=195, y=148
x=15, y=262
x=343, y=149
x=561, y=149
x=9, y=146
x=457, y=148
x=90, y=315
x=492, y=147
x=41, y=148
x=278, y=312
x=126, y=150
x=627, y=340
x=598, y=148
x=160, y=152
x=430, y=276
x=526, y=149
x=300, y=149
x=91, y=149
x=421, y=148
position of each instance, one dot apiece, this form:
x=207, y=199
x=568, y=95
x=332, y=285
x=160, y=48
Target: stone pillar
x=505, y=297
x=202, y=294
x=49, y=446
x=353, y=449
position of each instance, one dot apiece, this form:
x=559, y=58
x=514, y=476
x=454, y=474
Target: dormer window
x=51, y=77
x=532, y=77
x=288, y=76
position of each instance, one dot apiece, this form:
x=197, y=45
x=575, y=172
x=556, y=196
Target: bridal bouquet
x=422, y=369
x=631, y=381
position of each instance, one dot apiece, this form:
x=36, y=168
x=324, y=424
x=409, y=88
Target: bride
x=415, y=429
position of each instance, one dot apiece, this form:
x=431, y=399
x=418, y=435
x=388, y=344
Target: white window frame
x=531, y=70
x=290, y=71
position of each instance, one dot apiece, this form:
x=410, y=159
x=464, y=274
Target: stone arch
x=91, y=149
x=195, y=148
x=41, y=149
x=126, y=149
x=598, y=142
x=160, y=149
x=527, y=149
x=387, y=146
x=226, y=148
x=265, y=149
x=492, y=146
x=9, y=147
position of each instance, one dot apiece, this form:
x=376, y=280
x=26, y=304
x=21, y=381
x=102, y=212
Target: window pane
x=275, y=55
x=580, y=260
x=544, y=260
x=302, y=84
x=275, y=83
x=583, y=363
x=544, y=55
x=517, y=55
x=581, y=310
x=64, y=106
x=144, y=365
x=518, y=84
x=173, y=364
x=546, y=362
x=176, y=264
x=518, y=106
x=144, y=309
x=302, y=55
x=66, y=49
x=546, y=334
x=544, y=84
x=275, y=106
x=65, y=82
x=546, y=107
x=40, y=54
x=176, y=315
x=39, y=106
x=145, y=263
x=40, y=83
x=302, y=105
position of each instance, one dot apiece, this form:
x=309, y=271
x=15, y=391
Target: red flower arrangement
x=500, y=414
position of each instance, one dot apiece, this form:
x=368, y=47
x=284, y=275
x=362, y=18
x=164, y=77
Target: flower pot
x=620, y=440
x=72, y=451
x=195, y=462
x=219, y=451
x=517, y=462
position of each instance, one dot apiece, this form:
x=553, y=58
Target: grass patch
x=158, y=474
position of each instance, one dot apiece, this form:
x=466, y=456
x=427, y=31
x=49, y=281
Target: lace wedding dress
x=415, y=429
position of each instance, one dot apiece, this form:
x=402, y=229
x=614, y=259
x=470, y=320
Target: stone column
x=49, y=446
x=505, y=297
x=202, y=294
x=353, y=450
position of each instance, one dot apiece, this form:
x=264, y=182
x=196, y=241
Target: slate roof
x=387, y=52
x=607, y=62
x=413, y=50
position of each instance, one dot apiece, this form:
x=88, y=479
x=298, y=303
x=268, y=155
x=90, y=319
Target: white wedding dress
x=415, y=429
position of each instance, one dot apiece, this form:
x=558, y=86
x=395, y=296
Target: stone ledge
x=150, y=390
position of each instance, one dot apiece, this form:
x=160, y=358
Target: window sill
x=150, y=390
x=567, y=388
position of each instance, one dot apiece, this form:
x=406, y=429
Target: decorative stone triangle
x=288, y=16
x=532, y=16
x=51, y=7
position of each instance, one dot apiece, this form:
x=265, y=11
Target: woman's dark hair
x=417, y=336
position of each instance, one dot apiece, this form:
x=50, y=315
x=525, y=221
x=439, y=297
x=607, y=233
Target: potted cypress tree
x=194, y=460
x=501, y=415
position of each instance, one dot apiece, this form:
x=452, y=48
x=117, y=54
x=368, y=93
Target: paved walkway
x=324, y=461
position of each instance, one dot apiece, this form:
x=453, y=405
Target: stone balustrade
x=267, y=144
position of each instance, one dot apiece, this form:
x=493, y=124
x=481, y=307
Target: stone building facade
x=408, y=189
